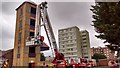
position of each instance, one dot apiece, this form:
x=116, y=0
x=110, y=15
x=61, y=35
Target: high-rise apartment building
x=69, y=42
x=25, y=27
x=71, y=45
x=85, y=44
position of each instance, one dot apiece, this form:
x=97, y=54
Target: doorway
x=31, y=65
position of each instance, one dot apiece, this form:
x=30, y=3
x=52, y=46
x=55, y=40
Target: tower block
x=25, y=28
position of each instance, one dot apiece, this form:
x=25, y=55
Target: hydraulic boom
x=43, y=16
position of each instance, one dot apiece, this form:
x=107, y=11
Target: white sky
x=62, y=14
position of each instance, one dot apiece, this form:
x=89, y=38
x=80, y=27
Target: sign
x=31, y=42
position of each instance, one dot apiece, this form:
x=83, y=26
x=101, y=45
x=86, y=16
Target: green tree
x=107, y=23
x=42, y=57
x=98, y=56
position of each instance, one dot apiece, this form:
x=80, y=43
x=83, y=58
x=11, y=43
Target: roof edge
x=68, y=28
x=26, y=2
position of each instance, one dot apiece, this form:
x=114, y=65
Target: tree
x=107, y=23
x=98, y=56
x=42, y=57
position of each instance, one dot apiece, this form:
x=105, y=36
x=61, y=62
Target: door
x=31, y=65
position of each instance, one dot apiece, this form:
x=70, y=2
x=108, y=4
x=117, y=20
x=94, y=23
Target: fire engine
x=43, y=20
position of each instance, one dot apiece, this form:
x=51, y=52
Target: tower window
x=33, y=10
x=18, y=53
x=20, y=25
x=31, y=49
x=18, y=49
x=19, y=38
x=21, y=12
x=32, y=52
x=32, y=24
x=31, y=34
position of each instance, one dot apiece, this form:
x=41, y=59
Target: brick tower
x=25, y=27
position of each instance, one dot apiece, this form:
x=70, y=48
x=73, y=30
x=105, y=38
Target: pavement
x=102, y=67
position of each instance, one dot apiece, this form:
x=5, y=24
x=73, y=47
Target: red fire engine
x=42, y=17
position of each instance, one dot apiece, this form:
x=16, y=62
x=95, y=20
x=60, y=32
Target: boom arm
x=43, y=16
x=48, y=27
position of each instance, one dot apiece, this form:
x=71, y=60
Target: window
x=70, y=41
x=18, y=53
x=66, y=34
x=21, y=12
x=71, y=49
x=72, y=54
x=32, y=52
x=70, y=29
x=31, y=34
x=33, y=10
x=70, y=33
x=68, y=49
x=32, y=24
x=62, y=38
x=65, y=30
x=84, y=46
x=85, y=57
x=83, y=35
x=65, y=38
x=20, y=25
x=19, y=38
x=60, y=31
x=84, y=38
x=63, y=42
x=18, y=49
x=31, y=49
x=63, y=34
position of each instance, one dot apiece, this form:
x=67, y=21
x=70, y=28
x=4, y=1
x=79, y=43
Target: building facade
x=86, y=52
x=70, y=43
x=7, y=56
x=1, y=59
x=25, y=27
x=103, y=50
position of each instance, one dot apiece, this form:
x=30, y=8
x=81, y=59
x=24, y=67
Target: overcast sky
x=61, y=14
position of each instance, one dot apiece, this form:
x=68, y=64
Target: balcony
x=71, y=51
x=30, y=42
x=71, y=47
x=71, y=55
x=62, y=48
